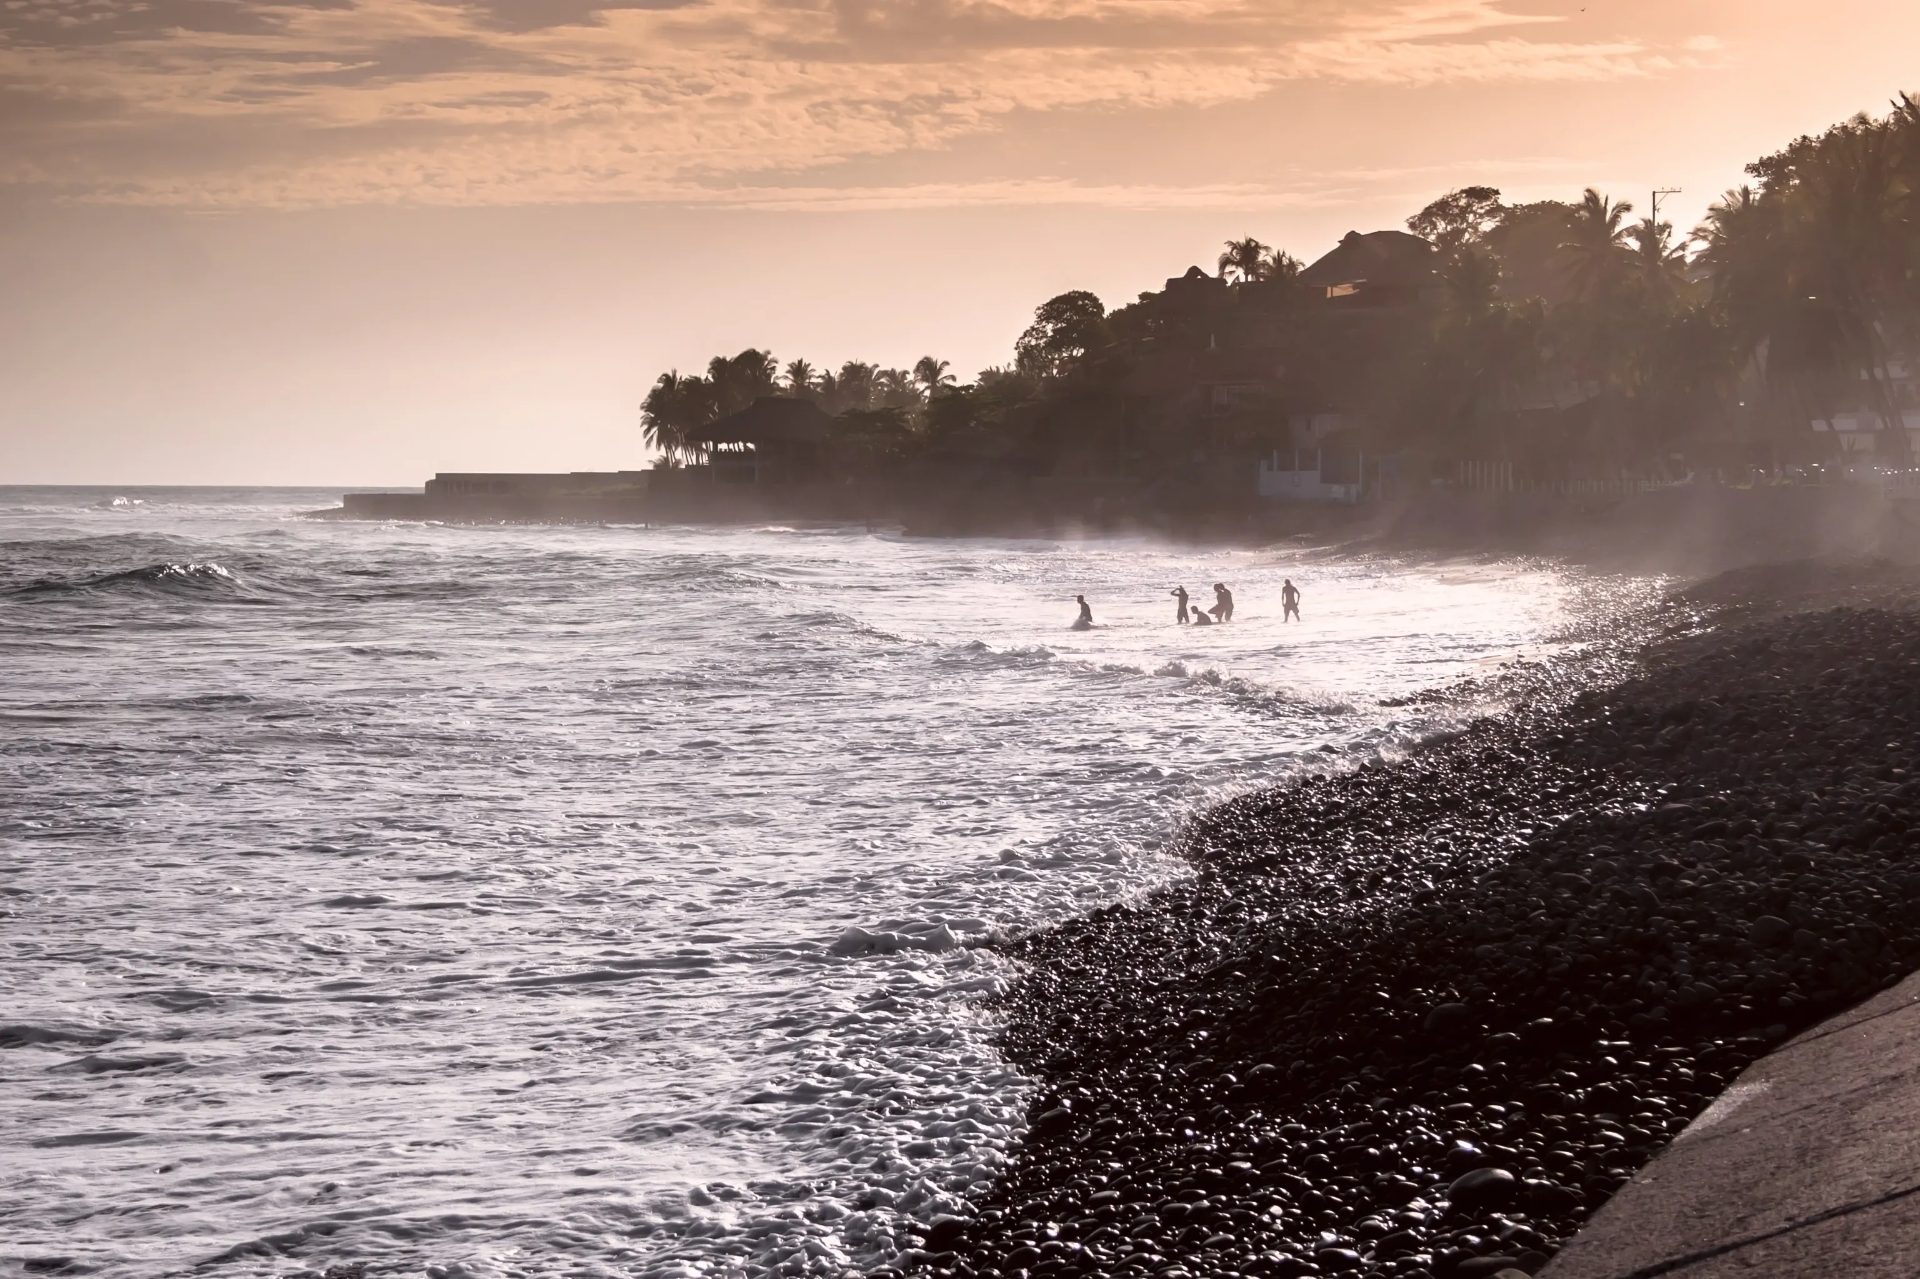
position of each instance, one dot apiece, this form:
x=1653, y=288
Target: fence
x=1499, y=477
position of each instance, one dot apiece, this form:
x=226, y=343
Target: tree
x=1472, y=282
x=1458, y=218
x=957, y=409
x=1064, y=330
x=1245, y=260
x=898, y=389
x=1820, y=269
x=799, y=378
x=854, y=387
x=1659, y=265
x=1857, y=205
x=1483, y=346
x=658, y=424
x=1763, y=307
x=1526, y=241
x=932, y=374
x=1282, y=267
x=878, y=437
x=1007, y=386
x=675, y=406
x=739, y=381
x=1596, y=248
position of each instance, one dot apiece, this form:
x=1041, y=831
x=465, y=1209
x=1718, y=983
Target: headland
x=1545, y=376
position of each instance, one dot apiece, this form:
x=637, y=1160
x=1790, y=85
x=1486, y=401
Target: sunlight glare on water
x=481, y=901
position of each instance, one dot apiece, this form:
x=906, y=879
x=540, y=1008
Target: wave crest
x=171, y=576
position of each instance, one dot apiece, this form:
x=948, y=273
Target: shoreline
x=1694, y=530
x=1421, y=1020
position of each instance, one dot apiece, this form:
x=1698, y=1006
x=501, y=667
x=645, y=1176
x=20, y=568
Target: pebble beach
x=1423, y=1018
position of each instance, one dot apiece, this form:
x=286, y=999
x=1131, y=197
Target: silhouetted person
x=1180, y=613
x=1200, y=617
x=1289, y=601
x=1222, y=609
x=1085, y=621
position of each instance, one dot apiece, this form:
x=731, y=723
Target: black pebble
x=1445, y=1008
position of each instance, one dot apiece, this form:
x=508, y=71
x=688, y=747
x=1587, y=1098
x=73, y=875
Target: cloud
x=229, y=103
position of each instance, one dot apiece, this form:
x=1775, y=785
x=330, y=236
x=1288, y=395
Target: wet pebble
x=1423, y=1020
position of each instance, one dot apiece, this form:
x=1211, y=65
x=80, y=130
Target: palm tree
x=1771, y=317
x=659, y=416
x=799, y=378
x=1744, y=255
x=739, y=381
x=675, y=406
x=853, y=387
x=1596, y=250
x=1731, y=226
x=1660, y=265
x=1282, y=266
x=1483, y=346
x=932, y=374
x=1857, y=206
x=1821, y=269
x=898, y=389
x=1246, y=260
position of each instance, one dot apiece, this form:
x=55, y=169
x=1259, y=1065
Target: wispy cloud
x=244, y=103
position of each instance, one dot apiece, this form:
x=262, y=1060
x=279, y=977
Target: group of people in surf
x=1222, y=611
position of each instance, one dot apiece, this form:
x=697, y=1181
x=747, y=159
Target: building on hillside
x=1196, y=291
x=775, y=440
x=1325, y=460
x=1301, y=476
x=1377, y=269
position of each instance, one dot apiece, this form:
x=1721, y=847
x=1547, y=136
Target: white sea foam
x=514, y=901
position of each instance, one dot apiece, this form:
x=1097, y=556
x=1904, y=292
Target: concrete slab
x=1877, y=1242
x=1815, y=1146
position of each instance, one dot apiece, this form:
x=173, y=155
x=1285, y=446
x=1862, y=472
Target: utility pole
x=1658, y=192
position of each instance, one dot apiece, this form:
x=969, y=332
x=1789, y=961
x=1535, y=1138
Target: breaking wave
x=593, y=900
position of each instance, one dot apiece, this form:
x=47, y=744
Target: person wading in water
x=1289, y=601
x=1222, y=609
x=1180, y=613
x=1085, y=621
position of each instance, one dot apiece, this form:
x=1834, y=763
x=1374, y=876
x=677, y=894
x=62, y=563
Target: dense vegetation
x=1549, y=332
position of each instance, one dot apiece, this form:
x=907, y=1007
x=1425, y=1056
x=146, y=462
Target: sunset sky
x=358, y=241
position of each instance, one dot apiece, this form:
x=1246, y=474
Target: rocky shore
x=1420, y=1020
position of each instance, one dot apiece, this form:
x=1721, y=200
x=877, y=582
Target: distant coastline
x=1694, y=527
x=1552, y=347
x=1549, y=377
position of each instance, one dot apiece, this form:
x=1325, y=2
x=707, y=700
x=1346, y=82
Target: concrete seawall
x=1692, y=529
x=1809, y=1164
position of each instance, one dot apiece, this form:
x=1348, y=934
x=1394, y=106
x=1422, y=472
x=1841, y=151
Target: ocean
x=514, y=900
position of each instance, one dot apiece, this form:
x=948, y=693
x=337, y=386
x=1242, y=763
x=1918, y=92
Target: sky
x=355, y=242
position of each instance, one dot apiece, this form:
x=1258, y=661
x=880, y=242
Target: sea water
x=513, y=900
